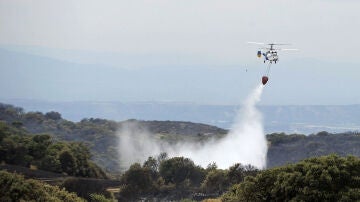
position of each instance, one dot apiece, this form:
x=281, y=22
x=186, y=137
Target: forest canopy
x=17, y=147
x=326, y=178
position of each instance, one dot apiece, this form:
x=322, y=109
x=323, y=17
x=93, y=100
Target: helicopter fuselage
x=271, y=56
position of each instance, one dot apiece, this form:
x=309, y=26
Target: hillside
x=285, y=149
x=101, y=136
x=305, y=119
x=18, y=147
x=50, y=158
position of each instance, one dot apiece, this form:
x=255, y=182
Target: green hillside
x=285, y=149
x=46, y=146
x=100, y=136
x=18, y=147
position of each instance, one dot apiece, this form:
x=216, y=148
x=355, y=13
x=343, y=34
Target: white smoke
x=245, y=143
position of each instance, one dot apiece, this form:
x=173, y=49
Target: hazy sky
x=187, y=32
x=320, y=28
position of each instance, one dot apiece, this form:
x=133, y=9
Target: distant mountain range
x=289, y=119
x=31, y=76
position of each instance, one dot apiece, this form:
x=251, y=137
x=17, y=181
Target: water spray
x=245, y=143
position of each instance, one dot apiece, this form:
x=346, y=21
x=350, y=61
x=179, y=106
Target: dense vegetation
x=40, y=157
x=39, y=141
x=327, y=178
x=99, y=134
x=17, y=147
x=285, y=149
x=14, y=187
x=177, y=178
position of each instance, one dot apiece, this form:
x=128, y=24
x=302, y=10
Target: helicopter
x=271, y=55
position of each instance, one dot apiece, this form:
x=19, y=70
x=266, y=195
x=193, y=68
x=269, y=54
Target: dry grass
x=212, y=200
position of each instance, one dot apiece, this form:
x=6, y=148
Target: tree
x=86, y=188
x=68, y=162
x=216, y=181
x=15, y=151
x=53, y=115
x=37, y=147
x=99, y=198
x=153, y=166
x=176, y=170
x=51, y=161
x=137, y=181
x=211, y=166
x=327, y=178
x=17, y=124
x=236, y=173
x=14, y=187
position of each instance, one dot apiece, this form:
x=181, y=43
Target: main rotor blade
x=258, y=43
x=289, y=49
x=278, y=44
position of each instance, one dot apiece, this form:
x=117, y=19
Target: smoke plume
x=245, y=143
